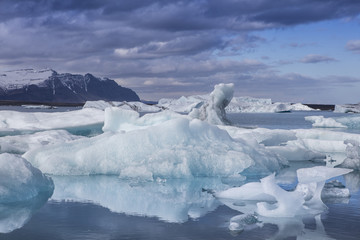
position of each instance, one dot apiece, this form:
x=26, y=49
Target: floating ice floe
x=270, y=200
x=136, y=106
x=20, y=181
x=11, y=121
x=164, y=144
x=320, y=121
x=20, y=144
x=347, y=108
x=352, y=122
x=352, y=159
x=237, y=105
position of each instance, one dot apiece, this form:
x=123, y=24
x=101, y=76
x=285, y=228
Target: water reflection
x=175, y=200
x=15, y=215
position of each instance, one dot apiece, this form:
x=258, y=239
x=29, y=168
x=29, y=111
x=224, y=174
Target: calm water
x=104, y=207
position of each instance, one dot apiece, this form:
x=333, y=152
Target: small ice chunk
x=243, y=222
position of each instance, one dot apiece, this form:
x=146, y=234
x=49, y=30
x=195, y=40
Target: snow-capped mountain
x=49, y=86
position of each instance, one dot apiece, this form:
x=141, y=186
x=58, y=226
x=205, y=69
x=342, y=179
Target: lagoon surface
x=107, y=207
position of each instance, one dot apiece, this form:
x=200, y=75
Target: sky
x=288, y=50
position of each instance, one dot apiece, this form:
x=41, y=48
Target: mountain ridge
x=49, y=86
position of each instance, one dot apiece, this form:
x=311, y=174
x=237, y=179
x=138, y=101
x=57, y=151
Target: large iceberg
x=164, y=144
x=20, y=181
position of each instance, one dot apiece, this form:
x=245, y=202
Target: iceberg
x=164, y=144
x=352, y=159
x=136, y=106
x=19, y=144
x=12, y=121
x=320, y=121
x=20, y=181
x=213, y=111
x=270, y=200
x=236, y=105
x=351, y=122
x=347, y=108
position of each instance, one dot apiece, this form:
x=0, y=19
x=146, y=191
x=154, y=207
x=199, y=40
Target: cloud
x=171, y=45
x=353, y=45
x=314, y=58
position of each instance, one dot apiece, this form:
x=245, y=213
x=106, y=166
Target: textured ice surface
x=174, y=200
x=352, y=159
x=237, y=105
x=165, y=144
x=270, y=200
x=136, y=106
x=335, y=189
x=20, y=181
x=20, y=144
x=213, y=111
x=298, y=144
x=347, y=108
x=37, y=121
x=351, y=121
x=320, y=121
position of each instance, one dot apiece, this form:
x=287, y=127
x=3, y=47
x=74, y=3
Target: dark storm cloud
x=176, y=44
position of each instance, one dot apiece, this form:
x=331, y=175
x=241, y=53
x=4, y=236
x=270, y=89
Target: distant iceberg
x=351, y=121
x=136, y=106
x=237, y=105
x=347, y=108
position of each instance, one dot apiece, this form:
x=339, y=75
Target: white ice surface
x=213, y=111
x=136, y=106
x=237, y=105
x=37, y=121
x=270, y=200
x=351, y=121
x=20, y=181
x=164, y=144
x=20, y=144
x=347, y=108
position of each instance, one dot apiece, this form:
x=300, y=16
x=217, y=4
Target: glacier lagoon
x=111, y=206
